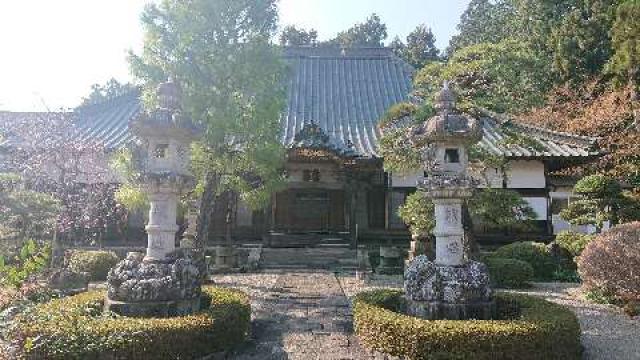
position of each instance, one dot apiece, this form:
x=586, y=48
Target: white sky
x=52, y=51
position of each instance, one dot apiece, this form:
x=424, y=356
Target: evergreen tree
x=111, y=89
x=292, y=36
x=601, y=200
x=421, y=47
x=398, y=47
x=581, y=43
x=484, y=21
x=371, y=33
x=503, y=77
x=232, y=81
x=625, y=62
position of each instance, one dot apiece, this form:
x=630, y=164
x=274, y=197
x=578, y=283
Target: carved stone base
x=436, y=291
x=139, y=287
x=157, y=309
x=439, y=310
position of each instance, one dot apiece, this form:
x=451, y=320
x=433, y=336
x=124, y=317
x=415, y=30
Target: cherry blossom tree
x=51, y=156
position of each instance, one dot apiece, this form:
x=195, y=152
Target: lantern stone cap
x=448, y=125
x=167, y=118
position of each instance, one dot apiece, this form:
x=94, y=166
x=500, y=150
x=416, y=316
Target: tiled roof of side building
x=346, y=92
x=108, y=122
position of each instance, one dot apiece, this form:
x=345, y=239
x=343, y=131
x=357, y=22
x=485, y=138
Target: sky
x=51, y=52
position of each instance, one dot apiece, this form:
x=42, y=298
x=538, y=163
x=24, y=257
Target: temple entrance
x=310, y=210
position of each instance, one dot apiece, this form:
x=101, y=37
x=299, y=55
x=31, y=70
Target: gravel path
x=607, y=333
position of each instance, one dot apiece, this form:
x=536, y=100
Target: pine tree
x=371, y=33
x=292, y=36
x=625, y=62
x=421, y=47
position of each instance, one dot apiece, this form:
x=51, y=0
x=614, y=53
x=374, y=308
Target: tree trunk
x=207, y=209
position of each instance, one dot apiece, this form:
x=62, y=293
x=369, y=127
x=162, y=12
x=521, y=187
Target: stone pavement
x=297, y=315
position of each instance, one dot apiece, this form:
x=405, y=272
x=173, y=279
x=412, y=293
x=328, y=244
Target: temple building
x=337, y=188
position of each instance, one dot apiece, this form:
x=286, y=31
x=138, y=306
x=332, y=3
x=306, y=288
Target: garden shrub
x=540, y=330
x=536, y=254
x=509, y=273
x=75, y=328
x=95, y=263
x=31, y=260
x=573, y=242
x=610, y=262
x=7, y=296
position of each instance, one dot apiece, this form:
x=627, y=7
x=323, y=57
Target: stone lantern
x=163, y=282
x=452, y=286
x=166, y=135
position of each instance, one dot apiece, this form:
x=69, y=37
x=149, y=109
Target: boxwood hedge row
x=76, y=328
x=538, y=330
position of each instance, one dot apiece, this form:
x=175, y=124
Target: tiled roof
x=108, y=122
x=538, y=142
x=345, y=93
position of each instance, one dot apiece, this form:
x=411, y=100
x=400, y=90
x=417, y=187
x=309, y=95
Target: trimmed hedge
x=573, y=242
x=536, y=254
x=509, y=273
x=542, y=330
x=95, y=263
x=75, y=328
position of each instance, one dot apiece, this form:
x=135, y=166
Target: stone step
x=326, y=258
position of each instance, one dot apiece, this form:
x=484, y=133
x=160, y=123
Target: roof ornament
x=169, y=95
x=445, y=100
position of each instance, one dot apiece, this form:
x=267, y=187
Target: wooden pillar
x=272, y=217
x=353, y=222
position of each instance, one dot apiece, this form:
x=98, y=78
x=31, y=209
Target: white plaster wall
x=521, y=174
x=526, y=174
x=539, y=205
x=405, y=180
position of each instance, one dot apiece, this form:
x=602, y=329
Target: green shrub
x=509, y=273
x=541, y=330
x=95, y=263
x=30, y=261
x=611, y=261
x=76, y=328
x=536, y=254
x=573, y=242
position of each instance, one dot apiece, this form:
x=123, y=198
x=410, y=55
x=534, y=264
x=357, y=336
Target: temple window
x=160, y=151
x=315, y=175
x=311, y=175
x=451, y=156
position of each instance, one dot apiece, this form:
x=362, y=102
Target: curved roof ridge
x=131, y=94
x=503, y=119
